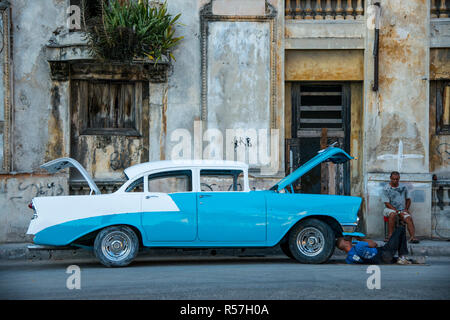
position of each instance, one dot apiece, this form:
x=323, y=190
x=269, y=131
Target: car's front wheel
x=285, y=248
x=312, y=241
x=116, y=246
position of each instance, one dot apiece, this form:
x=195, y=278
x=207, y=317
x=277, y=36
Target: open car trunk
x=333, y=154
x=62, y=163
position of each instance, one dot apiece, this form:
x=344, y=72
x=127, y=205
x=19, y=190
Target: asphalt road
x=224, y=278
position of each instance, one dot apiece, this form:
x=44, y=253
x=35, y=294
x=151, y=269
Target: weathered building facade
x=266, y=81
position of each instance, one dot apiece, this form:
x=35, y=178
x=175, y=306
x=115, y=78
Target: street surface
x=266, y=278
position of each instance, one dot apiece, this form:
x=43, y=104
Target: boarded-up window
x=108, y=107
x=443, y=107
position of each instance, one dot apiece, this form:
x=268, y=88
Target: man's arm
x=407, y=204
x=371, y=243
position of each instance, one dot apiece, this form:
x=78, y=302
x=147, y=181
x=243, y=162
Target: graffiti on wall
x=27, y=190
x=124, y=158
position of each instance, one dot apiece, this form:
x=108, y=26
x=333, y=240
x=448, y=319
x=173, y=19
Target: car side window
x=136, y=186
x=221, y=180
x=170, y=182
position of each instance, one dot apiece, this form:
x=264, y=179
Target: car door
x=169, y=211
x=226, y=214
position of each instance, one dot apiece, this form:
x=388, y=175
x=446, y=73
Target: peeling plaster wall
x=238, y=81
x=397, y=116
x=356, y=140
x=2, y=96
x=324, y=65
x=40, y=116
x=16, y=192
x=399, y=110
x=180, y=104
x=176, y=105
x=40, y=112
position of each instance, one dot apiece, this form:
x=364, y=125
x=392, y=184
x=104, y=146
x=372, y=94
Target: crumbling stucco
x=324, y=65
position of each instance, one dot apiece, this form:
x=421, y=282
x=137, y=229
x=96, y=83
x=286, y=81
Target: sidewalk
x=20, y=251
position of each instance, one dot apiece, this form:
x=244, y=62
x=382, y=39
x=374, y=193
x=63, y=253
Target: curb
x=20, y=251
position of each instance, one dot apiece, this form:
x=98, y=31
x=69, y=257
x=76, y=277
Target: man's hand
x=390, y=206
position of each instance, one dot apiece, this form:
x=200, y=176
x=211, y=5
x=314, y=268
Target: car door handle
x=148, y=197
x=205, y=195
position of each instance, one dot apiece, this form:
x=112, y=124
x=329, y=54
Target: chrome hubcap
x=310, y=241
x=116, y=246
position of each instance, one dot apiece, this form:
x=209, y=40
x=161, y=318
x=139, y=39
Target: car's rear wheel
x=311, y=241
x=116, y=246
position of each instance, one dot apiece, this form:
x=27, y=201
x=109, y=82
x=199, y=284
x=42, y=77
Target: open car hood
x=62, y=163
x=335, y=155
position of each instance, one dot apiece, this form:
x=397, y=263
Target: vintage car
x=195, y=204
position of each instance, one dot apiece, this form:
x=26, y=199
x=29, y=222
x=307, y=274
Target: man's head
x=344, y=244
x=395, y=178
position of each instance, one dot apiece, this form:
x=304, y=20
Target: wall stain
x=397, y=129
x=439, y=63
x=55, y=143
x=162, y=138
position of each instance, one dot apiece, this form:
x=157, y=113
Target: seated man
x=397, y=202
x=367, y=251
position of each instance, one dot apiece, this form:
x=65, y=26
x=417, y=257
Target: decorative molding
x=206, y=16
x=63, y=70
x=68, y=54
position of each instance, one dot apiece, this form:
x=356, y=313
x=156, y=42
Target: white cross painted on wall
x=399, y=156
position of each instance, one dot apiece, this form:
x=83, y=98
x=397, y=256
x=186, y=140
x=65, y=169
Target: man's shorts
x=387, y=212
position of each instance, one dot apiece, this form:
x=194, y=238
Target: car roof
x=174, y=164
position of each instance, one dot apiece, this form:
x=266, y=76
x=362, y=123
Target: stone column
x=396, y=117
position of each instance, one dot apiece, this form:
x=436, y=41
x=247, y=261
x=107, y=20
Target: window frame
x=132, y=185
x=441, y=129
x=225, y=172
x=83, y=85
x=169, y=173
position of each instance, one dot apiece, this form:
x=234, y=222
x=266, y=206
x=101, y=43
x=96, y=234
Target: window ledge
x=73, y=58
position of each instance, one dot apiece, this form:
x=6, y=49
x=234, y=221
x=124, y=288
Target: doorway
x=320, y=117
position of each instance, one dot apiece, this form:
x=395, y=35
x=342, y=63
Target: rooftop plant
x=127, y=29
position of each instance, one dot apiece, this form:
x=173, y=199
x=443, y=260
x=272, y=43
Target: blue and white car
x=195, y=204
